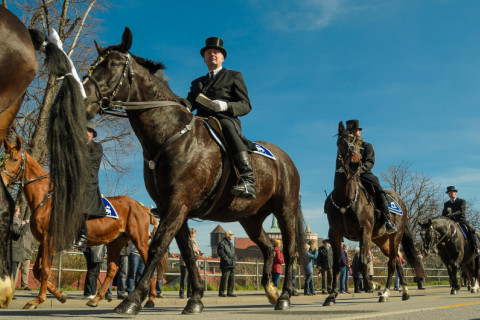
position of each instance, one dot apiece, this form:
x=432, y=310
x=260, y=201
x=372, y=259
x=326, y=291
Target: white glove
x=220, y=105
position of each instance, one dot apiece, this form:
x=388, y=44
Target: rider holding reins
x=454, y=209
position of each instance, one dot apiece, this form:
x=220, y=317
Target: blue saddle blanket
x=111, y=212
x=463, y=230
x=393, y=206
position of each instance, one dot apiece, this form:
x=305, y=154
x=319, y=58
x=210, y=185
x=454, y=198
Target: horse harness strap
x=152, y=163
x=344, y=209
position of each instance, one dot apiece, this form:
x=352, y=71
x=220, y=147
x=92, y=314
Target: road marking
x=460, y=305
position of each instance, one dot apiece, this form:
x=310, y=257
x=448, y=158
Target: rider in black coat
x=93, y=199
x=369, y=180
x=228, y=92
x=454, y=209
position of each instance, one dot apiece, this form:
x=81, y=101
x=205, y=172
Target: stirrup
x=241, y=190
x=390, y=228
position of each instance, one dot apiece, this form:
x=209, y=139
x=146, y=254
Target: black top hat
x=351, y=123
x=451, y=188
x=214, y=43
x=91, y=127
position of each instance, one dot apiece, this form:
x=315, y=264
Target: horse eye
x=15, y=159
x=114, y=64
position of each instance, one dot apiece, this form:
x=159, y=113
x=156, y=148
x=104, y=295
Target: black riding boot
x=383, y=204
x=473, y=240
x=81, y=243
x=245, y=187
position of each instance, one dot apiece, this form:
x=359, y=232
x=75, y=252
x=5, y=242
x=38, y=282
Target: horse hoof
x=383, y=299
x=149, y=304
x=453, y=291
x=283, y=304
x=63, y=297
x=405, y=296
x=330, y=301
x=127, y=307
x=92, y=303
x=193, y=307
x=30, y=306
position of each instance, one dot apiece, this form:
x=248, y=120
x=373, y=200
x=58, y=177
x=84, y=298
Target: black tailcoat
x=93, y=200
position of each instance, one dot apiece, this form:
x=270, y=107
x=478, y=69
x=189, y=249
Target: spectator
x=325, y=263
x=294, y=274
x=349, y=269
x=121, y=276
x=397, y=278
x=357, y=275
x=370, y=271
x=28, y=249
x=277, y=262
x=135, y=268
x=343, y=269
x=18, y=230
x=184, y=275
x=226, y=251
x=310, y=255
x=94, y=257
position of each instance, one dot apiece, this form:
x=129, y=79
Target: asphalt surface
x=435, y=303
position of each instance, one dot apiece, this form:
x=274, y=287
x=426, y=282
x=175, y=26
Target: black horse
x=187, y=175
x=350, y=214
x=446, y=237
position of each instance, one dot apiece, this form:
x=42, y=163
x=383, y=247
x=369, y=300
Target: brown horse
x=351, y=214
x=132, y=224
x=184, y=172
x=19, y=66
x=446, y=237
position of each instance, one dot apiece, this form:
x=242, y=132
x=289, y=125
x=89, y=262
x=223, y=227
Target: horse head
x=12, y=162
x=429, y=237
x=110, y=79
x=348, y=151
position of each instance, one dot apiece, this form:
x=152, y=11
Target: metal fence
x=206, y=267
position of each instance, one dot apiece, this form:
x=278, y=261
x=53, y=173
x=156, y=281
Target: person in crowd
x=454, y=209
x=121, y=276
x=228, y=260
x=184, y=275
x=370, y=270
x=227, y=101
x=95, y=257
x=310, y=255
x=325, y=264
x=295, y=270
x=397, y=278
x=357, y=274
x=28, y=250
x=369, y=180
x=93, y=198
x=19, y=228
x=135, y=268
x=277, y=262
x=348, y=268
x=343, y=269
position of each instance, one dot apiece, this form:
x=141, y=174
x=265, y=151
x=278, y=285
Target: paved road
x=435, y=303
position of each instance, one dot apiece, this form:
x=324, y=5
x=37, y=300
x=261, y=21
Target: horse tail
x=411, y=253
x=69, y=158
x=300, y=232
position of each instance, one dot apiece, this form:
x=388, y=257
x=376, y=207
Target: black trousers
x=185, y=277
x=228, y=276
x=93, y=270
x=235, y=143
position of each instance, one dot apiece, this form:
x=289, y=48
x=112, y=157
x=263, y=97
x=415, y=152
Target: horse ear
x=126, y=40
x=100, y=49
x=341, y=128
x=18, y=143
x=7, y=145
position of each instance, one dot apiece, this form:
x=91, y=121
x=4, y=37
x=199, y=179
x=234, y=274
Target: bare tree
x=76, y=24
x=422, y=197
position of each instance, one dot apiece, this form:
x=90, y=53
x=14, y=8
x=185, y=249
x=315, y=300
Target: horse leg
x=335, y=240
x=194, y=303
x=393, y=263
x=113, y=255
x=169, y=227
x=364, y=244
x=253, y=228
x=403, y=283
x=7, y=287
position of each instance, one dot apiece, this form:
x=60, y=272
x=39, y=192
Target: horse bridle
x=18, y=178
x=439, y=241
x=343, y=169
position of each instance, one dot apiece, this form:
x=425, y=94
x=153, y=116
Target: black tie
x=210, y=75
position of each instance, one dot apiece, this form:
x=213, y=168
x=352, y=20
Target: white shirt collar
x=216, y=71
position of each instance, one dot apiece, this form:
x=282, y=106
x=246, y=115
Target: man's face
x=213, y=58
x=326, y=244
x=89, y=136
x=358, y=133
x=452, y=194
x=192, y=235
x=229, y=236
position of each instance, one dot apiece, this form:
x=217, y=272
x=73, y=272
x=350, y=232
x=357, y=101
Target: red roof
x=244, y=243
x=218, y=229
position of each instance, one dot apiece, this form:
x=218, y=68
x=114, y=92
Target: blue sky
x=408, y=70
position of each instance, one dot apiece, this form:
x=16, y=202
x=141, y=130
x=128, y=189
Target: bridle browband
x=18, y=178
